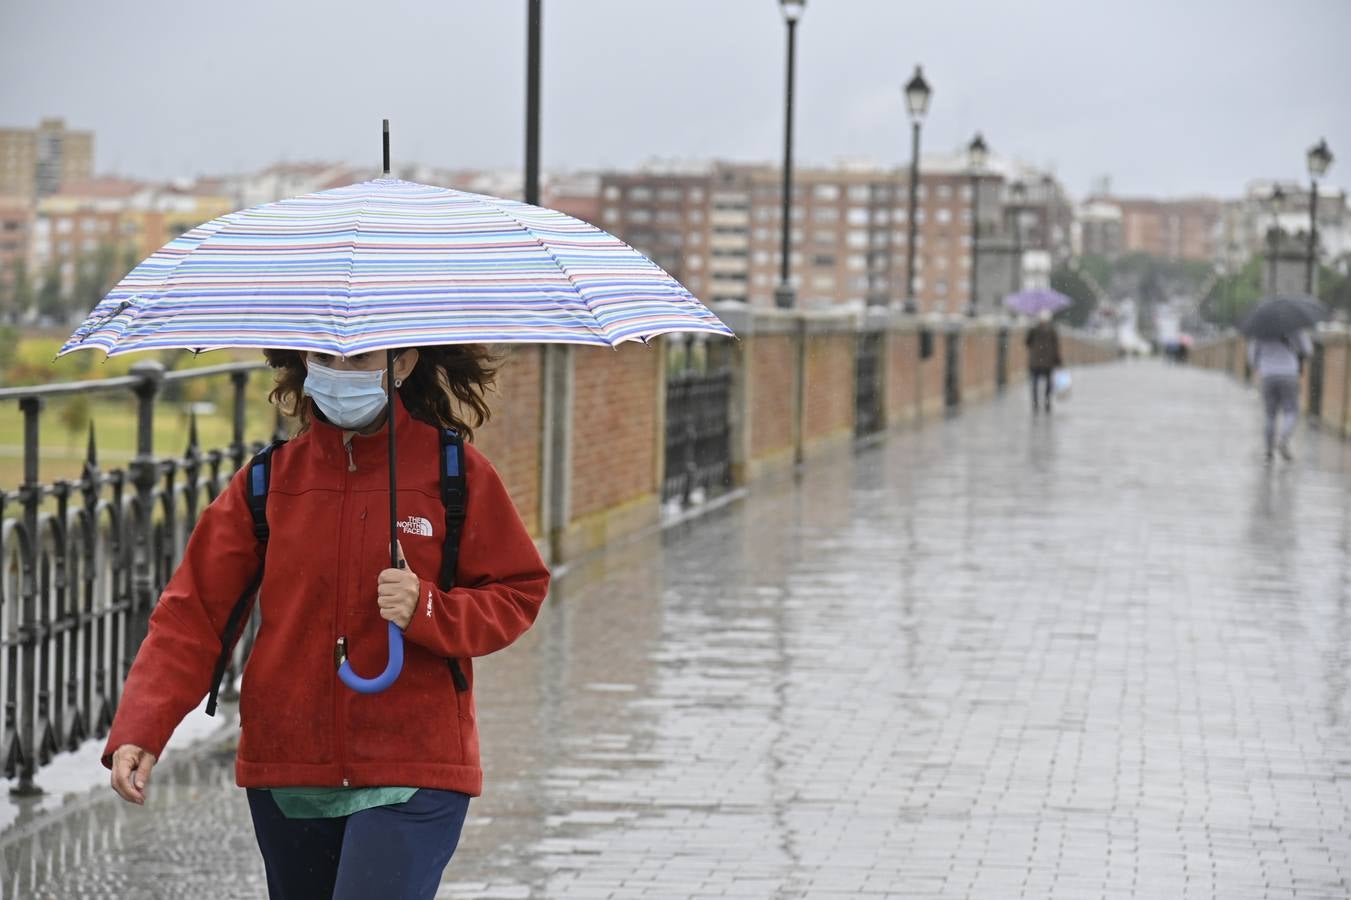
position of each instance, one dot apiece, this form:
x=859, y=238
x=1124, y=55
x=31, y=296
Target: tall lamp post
x=1274, y=237
x=1320, y=157
x=534, y=13
x=784, y=296
x=1018, y=194
x=917, y=95
x=976, y=153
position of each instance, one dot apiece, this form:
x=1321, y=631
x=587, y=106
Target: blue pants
x=396, y=852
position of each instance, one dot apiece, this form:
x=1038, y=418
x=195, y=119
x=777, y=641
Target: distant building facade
x=1276, y=213
x=1185, y=229
x=717, y=228
x=37, y=162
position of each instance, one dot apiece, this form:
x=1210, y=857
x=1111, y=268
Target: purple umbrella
x=1035, y=301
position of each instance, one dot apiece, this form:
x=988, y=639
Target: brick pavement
x=1101, y=655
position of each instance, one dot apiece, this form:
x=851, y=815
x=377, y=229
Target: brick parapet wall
x=1229, y=354
x=793, y=399
x=511, y=438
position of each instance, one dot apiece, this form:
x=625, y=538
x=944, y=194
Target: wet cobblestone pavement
x=1098, y=655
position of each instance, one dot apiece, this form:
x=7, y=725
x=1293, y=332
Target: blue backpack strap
x=257, y=482
x=455, y=499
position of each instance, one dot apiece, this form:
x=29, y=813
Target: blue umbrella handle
x=384, y=679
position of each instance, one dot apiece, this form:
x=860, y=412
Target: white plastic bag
x=1061, y=384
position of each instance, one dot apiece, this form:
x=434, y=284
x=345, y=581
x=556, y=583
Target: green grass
x=64, y=429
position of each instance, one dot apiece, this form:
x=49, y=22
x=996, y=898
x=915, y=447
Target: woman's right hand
x=131, y=772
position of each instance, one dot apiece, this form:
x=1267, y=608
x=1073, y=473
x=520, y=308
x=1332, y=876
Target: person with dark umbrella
x=1278, y=363
x=1278, y=343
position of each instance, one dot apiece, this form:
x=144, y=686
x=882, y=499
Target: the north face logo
x=416, y=525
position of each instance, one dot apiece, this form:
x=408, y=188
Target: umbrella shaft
x=393, y=477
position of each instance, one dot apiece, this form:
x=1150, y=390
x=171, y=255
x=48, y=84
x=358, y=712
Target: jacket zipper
x=340, y=619
x=347, y=442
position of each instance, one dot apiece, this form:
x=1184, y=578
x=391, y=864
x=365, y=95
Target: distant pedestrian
x=1043, y=357
x=1278, y=362
x=353, y=795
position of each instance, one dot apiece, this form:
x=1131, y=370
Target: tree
x=130, y=259
x=21, y=291
x=1075, y=284
x=1334, y=289
x=1099, y=268
x=9, y=348
x=94, y=276
x=50, y=299
x=1231, y=295
x=74, y=414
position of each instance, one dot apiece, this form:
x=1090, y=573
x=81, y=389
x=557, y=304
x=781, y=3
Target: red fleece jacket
x=329, y=521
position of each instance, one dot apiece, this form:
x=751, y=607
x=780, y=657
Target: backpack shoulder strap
x=455, y=498
x=256, y=484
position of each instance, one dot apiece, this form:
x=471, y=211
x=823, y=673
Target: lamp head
x=792, y=9
x=1320, y=157
x=917, y=94
x=977, y=152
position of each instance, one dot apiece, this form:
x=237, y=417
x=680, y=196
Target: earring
x=398, y=382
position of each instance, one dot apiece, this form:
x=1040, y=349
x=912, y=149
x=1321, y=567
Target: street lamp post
x=1274, y=237
x=1320, y=157
x=533, y=15
x=976, y=154
x=1017, y=193
x=784, y=296
x=917, y=94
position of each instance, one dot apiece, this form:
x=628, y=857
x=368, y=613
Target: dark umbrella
x=1282, y=315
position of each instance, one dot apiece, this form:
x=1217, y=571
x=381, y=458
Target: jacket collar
x=367, y=449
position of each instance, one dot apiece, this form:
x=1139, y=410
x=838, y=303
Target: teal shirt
x=333, y=802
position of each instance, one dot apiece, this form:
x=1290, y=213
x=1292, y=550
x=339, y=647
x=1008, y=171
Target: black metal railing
x=698, y=421
x=868, y=384
x=82, y=561
x=1316, y=366
x=1001, y=364
x=952, y=372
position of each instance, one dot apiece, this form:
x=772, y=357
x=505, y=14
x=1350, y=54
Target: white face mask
x=350, y=399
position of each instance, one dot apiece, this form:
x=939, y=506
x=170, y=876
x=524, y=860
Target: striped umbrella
x=386, y=264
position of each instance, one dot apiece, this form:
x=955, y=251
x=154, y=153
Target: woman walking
x=352, y=795
x=1043, y=357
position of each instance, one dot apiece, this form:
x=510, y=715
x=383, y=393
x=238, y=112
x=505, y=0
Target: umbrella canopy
x=1281, y=315
x=385, y=264
x=1035, y=301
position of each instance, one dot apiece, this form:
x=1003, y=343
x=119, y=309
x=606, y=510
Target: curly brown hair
x=447, y=388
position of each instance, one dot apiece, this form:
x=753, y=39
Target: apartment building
x=1176, y=229
x=717, y=228
x=36, y=162
x=128, y=218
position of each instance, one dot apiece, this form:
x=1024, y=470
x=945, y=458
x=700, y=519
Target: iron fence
x=868, y=384
x=1316, y=366
x=82, y=561
x=698, y=420
x=952, y=373
x=1001, y=368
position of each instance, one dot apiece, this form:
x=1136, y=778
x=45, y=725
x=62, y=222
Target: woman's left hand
x=398, y=594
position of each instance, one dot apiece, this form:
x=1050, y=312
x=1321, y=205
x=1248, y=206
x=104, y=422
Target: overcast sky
x=1166, y=97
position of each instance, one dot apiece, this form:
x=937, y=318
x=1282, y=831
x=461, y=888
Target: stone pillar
x=1285, y=264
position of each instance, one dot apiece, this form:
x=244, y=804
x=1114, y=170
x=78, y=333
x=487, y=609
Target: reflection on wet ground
x=1103, y=654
